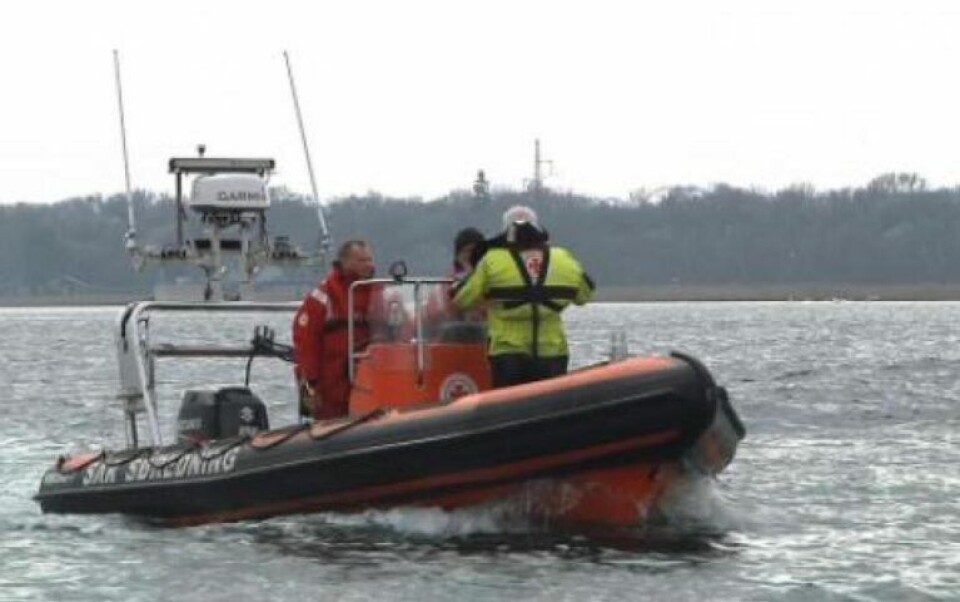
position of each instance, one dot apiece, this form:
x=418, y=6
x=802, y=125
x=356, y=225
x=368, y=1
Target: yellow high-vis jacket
x=525, y=292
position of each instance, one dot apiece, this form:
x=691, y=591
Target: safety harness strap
x=532, y=292
x=542, y=294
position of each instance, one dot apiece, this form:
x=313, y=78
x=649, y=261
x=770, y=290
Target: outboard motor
x=207, y=414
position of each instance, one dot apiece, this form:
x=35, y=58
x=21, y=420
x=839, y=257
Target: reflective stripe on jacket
x=526, y=290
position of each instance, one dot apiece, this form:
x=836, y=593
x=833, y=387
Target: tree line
x=895, y=230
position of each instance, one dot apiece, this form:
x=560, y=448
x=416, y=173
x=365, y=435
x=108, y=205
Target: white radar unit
x=234, y=192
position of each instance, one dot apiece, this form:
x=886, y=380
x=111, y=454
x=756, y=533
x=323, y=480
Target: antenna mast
x=536, y=184
x=325, y=240
x=131, y=236
x=537, y=175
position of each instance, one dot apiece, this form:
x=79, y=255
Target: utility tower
x=535, y=185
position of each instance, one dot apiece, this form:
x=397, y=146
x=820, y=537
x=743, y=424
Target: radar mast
x=229, y=197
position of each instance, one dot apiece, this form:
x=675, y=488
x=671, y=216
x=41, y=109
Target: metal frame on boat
x=137, y=354
x=136, y=357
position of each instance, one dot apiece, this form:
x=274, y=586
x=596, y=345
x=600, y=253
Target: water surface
x=847, y=487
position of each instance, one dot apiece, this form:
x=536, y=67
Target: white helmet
x=520, y=214
x=520, y=217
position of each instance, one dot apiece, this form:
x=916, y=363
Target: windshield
x=400, y=304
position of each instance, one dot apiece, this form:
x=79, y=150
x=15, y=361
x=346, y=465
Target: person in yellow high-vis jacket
x=526, y=284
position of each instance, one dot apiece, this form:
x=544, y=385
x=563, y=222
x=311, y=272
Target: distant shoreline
x=624, y=294
x=783, y=292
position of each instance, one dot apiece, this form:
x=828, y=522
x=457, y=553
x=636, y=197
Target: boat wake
x=436, y=522
x=696, y=519
x=699, y=502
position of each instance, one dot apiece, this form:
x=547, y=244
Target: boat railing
x=136, y=355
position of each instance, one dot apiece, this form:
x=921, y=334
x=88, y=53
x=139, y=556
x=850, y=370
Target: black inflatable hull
x=639, y=412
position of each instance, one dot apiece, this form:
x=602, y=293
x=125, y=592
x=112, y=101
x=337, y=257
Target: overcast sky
x=412, y=97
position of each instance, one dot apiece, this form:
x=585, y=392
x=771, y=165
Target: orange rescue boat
x=599, y=446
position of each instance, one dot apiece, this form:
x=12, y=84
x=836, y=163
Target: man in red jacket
x=320, y=333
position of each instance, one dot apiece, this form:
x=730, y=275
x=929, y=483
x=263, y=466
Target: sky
x=411, y=98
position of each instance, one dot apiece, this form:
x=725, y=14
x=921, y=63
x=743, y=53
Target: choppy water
x=846, y=488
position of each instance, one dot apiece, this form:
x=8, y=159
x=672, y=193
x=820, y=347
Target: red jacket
x=320, y=339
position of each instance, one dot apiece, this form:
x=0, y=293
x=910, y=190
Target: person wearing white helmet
x=517, y=216
x=526, y=284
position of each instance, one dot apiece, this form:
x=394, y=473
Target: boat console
x=422, y=353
